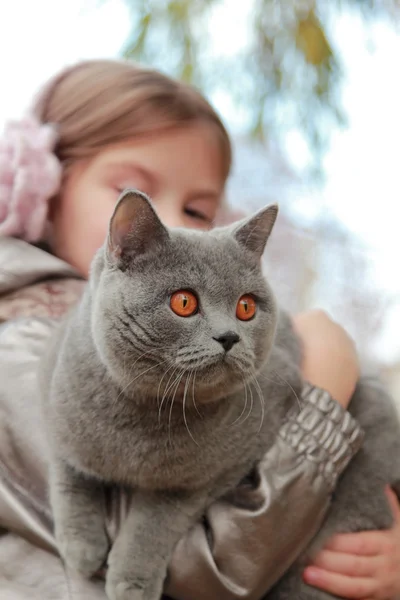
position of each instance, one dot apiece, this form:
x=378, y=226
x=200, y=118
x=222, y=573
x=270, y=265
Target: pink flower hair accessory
x=30, y=174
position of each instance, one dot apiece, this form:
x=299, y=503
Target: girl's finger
x=340, y=585
x=348, y=564
x=365, y=543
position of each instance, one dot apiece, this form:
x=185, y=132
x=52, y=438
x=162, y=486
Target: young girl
x=95, y=129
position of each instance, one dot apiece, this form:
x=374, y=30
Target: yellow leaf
x=311, y=40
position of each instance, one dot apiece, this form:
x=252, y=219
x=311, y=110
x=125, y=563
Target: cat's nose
x=227, y=340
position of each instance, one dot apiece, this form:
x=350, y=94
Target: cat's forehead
x=208, y=260
x=207, y=248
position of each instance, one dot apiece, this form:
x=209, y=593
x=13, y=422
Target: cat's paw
x=84, y=555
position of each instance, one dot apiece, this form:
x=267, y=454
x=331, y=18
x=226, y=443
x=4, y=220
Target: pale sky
x=363, y=171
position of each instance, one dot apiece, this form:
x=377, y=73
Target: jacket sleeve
x=243, y=546
x=24, y=507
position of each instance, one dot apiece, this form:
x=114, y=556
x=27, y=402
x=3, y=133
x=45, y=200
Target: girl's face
x=179, y=169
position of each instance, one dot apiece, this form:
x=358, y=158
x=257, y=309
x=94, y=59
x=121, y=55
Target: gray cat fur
x=119, y=399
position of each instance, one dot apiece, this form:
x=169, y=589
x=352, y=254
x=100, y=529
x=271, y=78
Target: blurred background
x=309, y=90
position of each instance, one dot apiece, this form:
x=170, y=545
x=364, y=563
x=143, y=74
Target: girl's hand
x=330, y=359
x=362, y=565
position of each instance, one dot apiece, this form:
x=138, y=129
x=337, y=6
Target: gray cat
x=173, y=325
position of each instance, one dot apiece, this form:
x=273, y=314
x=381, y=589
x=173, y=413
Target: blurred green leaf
x=288, y=76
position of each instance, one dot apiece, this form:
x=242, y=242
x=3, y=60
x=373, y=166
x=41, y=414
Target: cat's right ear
x=253, y=233
x=135, y=228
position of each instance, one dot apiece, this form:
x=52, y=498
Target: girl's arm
x=330, y=359
x=363, y=565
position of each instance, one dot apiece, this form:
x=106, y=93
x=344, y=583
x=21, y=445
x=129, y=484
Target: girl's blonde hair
x=102, y=102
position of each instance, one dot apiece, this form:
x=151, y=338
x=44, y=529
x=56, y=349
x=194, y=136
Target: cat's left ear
x=135, y=228
x=254, y=232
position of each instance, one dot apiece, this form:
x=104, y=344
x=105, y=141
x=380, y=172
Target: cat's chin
x=212, y=368
x=219, y=375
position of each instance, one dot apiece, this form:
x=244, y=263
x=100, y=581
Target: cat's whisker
x=254, y=379
x=244, y=366
x=138, y=358
x=294, y=392
x=184, y=406
x=246, y=386
x=265, y=378
x=251, y=406
x=193, y=396
x=159, y=385
x=244, y=406
x=262, y=402
x=165, y=394
x=125, y=357
x=188, y=353
x=178, y=381
x=196, y=361
x=138, y=376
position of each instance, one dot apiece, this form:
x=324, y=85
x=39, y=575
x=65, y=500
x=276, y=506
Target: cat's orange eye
x=184, y=303
x=246, y=308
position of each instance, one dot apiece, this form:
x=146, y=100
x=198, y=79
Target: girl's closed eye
x=202, y=210
x=197, y=214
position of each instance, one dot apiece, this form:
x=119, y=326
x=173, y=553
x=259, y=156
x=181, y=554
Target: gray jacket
x=226, y=559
